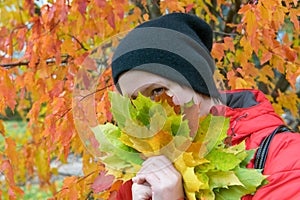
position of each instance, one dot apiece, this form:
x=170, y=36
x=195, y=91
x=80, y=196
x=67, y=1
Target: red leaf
x=189, y=7
x=111, y=19
x=82, y=6
x=102, y=182
x=119, y=9
x=90, y=64
x=8, y=171
x=57, y=89
x=100, y=3
x=266, y=57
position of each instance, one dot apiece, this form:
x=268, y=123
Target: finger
x=153, y=179
x=159, y=164
x=155, y=164
x=168, y=166
x=140, y=179
x=150, y=179
x=141, y=192
x=149, y=169
x=156, y=170
x=163, y=175
x=167, y=175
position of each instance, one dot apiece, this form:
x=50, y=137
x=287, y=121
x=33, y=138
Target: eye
x=156, y=92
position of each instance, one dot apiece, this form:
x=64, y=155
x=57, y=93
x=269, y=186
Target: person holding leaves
x=171, y=54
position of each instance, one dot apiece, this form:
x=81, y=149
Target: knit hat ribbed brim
x=175, y=46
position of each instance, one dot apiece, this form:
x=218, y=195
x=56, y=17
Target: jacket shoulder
x=283, y=153
x=282, y=168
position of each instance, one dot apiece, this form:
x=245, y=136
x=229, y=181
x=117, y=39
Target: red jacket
x=252, y=118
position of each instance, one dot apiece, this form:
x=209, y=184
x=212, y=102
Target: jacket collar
x=250, y=113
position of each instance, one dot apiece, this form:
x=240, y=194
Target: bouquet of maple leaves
x=210, y=169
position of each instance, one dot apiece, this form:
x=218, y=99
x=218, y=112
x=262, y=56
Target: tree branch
x=26, y=63
x=12, y=65
x=82, y=98
x=99, y=90
x=80, y=43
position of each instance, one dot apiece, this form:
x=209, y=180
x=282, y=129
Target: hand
x=157, y=179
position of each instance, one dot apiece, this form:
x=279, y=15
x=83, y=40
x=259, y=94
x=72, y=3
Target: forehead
x=133, y=81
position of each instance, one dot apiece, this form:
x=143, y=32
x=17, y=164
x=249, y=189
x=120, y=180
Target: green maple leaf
x=251, y=178
x=212, y=131
x=223, y=179
x=119, y=155
x=121, y=108
x=221, y=160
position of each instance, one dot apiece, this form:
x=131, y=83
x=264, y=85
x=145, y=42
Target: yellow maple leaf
x=190, y=180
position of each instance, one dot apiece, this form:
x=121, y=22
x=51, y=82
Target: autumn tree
x=42, y=50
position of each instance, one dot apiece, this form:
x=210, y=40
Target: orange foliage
x=42, y=49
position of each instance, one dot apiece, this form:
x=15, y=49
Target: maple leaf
x=11, y=151
x=111, y=18
x=120, y=156
x=190, y=180
x=265, y=57
x=218, y=51
x=224, y=179
x=189, y=7
x=82, y=5
x=102, y=182
x=8, y=92
x=121, y=107
x=100, y=3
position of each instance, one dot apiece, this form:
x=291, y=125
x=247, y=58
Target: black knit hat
x=175, y=46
